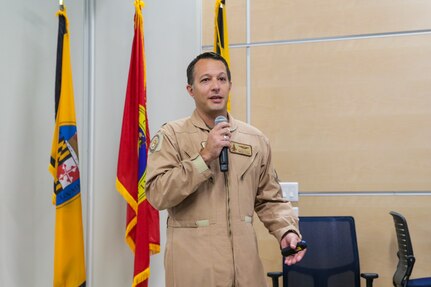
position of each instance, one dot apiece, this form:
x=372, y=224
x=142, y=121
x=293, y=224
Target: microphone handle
x=223, y=158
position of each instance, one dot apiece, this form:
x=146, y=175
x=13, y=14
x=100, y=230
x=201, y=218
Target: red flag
x=142, y=222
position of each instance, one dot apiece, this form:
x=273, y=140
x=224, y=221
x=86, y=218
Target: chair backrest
x=332, y=258
x=406, y=258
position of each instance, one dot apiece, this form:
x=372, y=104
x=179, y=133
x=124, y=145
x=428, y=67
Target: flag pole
x=60, y=3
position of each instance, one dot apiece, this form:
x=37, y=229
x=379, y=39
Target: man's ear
x=190, y=90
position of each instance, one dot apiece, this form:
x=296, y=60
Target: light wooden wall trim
x=280, y=19
x=349, y=115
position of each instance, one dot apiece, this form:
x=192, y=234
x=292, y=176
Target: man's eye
x=204, y=80
x=223, y=79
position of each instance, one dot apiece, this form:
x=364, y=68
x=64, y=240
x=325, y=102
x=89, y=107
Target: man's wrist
x=205, y=156
x=290, y=231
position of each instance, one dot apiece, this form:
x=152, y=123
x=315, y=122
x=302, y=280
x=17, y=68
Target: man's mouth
x=216, y=98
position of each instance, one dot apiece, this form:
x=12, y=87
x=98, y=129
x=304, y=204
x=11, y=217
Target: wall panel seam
x=366, y=193
x=328, y=39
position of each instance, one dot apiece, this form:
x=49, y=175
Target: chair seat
x=419, y=282
x=332, y=258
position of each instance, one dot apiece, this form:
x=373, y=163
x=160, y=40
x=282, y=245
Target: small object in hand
x=287, y=251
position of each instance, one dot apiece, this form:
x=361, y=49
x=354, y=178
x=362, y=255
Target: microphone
x=223, y=159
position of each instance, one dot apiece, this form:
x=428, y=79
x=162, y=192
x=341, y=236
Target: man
x=210, y=236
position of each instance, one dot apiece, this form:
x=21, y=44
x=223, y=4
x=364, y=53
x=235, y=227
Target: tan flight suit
x=210, y=237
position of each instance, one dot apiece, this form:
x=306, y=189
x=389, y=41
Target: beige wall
x=345, y=99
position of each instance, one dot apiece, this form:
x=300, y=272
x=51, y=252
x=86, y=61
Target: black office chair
x=332, y=258
x=406, y=258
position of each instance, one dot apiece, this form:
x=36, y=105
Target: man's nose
x=215, y=85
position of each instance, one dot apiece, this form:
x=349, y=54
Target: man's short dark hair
x=205, y=55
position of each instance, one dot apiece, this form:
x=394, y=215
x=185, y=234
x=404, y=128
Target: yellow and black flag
x=69, y=258
x=221, y=39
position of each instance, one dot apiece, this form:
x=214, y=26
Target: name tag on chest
x=241, y=149
x=237, y=148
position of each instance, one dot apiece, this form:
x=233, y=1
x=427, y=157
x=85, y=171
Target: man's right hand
x=218, y=138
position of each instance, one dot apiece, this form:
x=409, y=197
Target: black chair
x=332, y=258
x=406, y=258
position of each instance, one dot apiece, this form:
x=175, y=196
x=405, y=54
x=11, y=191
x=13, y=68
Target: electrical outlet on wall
x=290, y=190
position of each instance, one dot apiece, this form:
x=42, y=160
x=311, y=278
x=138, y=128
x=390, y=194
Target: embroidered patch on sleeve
x=156, y=142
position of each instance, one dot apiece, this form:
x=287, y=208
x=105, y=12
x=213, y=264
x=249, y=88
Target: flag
x=69, y=258
x=142, y=220
x=221, y=39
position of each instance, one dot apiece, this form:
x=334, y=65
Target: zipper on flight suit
x=229, y=227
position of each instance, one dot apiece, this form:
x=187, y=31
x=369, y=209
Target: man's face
x=210, y=87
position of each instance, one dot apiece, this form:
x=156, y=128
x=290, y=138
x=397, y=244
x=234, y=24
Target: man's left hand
x=291, y=239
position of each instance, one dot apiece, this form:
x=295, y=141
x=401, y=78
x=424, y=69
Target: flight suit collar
x=199, y=123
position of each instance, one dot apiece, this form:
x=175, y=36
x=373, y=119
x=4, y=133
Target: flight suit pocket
x=248, y=183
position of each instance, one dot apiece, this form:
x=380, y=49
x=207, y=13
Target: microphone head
x=220, y=119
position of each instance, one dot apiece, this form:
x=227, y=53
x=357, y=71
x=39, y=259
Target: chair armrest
x=274, y=276
x=369, y=277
